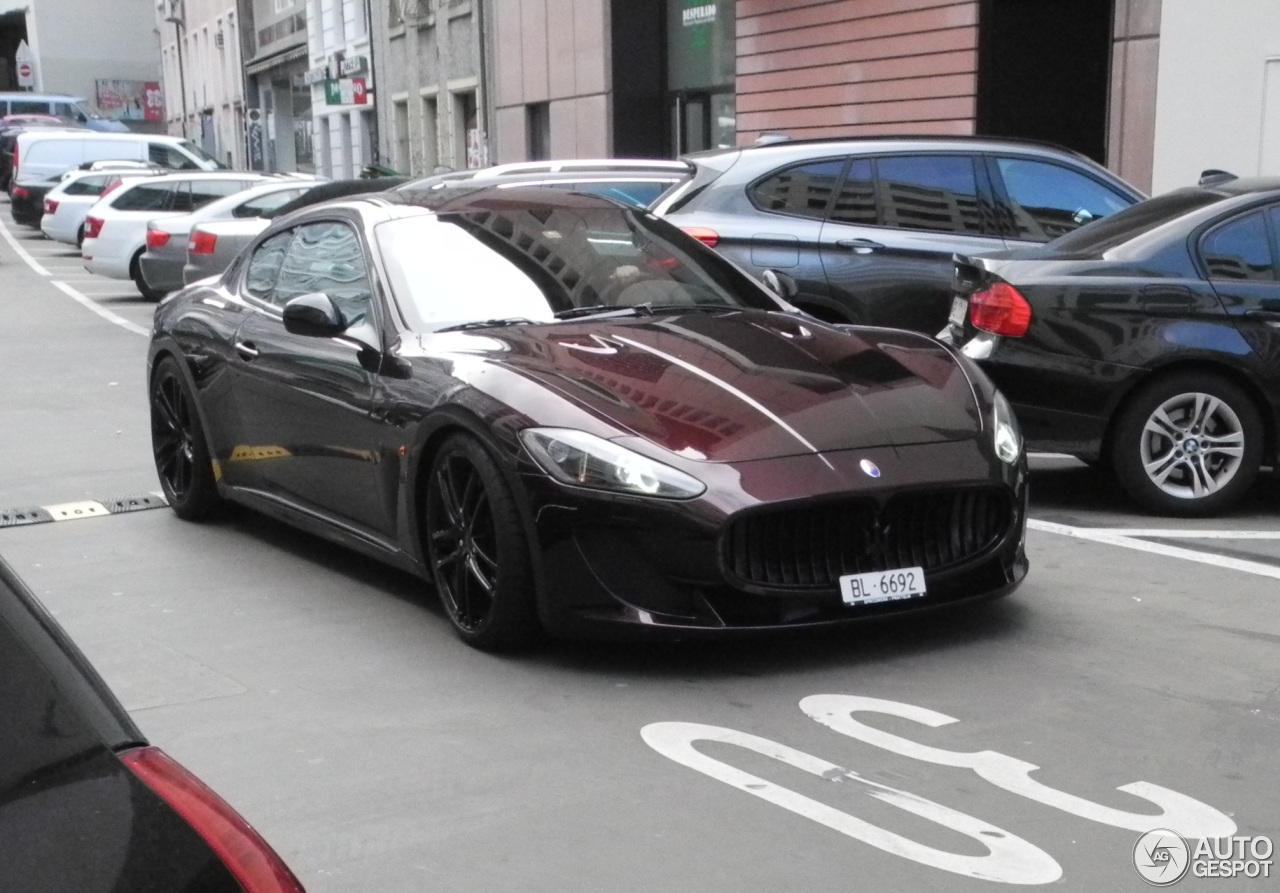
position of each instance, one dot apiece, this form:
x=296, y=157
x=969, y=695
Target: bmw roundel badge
x=870, y=468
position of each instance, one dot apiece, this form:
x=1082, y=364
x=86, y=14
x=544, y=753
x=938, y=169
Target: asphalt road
x=327, y=699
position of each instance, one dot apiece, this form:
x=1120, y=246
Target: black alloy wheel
x=477, y=549
x=1188, y=444
x=178, y=445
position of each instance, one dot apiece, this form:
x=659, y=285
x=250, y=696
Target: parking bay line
x=20, y=251
x=1129, y=540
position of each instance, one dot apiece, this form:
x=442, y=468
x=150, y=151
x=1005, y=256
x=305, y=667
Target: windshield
x=195, y=150
x=1103, y=235
x=534, y=262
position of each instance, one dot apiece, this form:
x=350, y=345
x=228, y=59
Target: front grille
x=811, y=547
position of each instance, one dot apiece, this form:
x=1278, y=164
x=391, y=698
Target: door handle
x=859, y=246
x=1269, y=317
x=246, y=349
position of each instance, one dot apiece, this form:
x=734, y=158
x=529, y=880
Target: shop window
x=538, y=126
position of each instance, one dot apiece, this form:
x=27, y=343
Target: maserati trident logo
x=870, y=468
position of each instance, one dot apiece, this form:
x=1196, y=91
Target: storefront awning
x=290, y=55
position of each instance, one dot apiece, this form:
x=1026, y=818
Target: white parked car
x=68, y=203
x=115, y=232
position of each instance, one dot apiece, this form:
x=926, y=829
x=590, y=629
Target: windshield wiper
x=487, y=324
x=604, y=310
x=646, y=309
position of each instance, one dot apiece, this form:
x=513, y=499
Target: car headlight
x=582, y=459
x=1005, y=433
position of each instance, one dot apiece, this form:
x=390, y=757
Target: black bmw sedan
x=570, y=416
x=1148, y=342
x=87, y=805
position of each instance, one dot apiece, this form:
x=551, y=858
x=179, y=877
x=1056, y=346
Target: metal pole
x=182, y=77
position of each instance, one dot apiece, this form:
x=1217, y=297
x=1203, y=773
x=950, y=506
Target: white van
x=42, y=157
x=39, y=160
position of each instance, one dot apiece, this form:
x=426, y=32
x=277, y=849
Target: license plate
x=959, y=310
x=882, y=586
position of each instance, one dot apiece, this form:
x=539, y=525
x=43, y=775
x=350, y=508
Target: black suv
x=863, y=230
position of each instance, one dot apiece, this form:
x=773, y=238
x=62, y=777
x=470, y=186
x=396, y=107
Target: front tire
x=477, y=549
x=1188, y=444
x=178, y=445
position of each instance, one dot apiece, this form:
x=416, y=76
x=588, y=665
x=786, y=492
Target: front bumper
x=618, y=566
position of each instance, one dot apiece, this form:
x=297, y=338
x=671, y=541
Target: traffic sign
x=26, y=65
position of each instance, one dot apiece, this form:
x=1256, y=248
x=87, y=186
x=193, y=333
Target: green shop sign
x=701, y=51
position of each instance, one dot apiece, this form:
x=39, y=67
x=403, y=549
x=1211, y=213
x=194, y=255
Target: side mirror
x=780, y=284
x=314, y=314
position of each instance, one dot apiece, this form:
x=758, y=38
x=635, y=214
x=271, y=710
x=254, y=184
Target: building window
x=400, y=116
x=466, y=131
x=430, y=134
x=538, y=125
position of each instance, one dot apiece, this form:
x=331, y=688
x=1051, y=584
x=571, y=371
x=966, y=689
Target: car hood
x=737, y=386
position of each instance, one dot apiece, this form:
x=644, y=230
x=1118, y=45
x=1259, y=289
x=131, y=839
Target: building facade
x=204, y=75
x=79, y=51
x=614, y=77
x=431, y=58
x=340, y=75
x=278, y=126
x=1216, y=86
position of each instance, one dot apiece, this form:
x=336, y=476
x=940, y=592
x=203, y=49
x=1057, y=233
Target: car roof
x=889, y=143
x=561, y=170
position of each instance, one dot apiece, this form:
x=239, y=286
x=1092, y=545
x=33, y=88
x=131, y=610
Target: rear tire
x=1188, y=444
x=179, y=447
x=80, y=237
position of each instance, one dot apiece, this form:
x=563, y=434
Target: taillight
x=156, y=238
x=708, y=237
x=202, y=243
x=1000, y=309
x=20, y=192
x=50, y=206
x=254, y=864
x=92, y=226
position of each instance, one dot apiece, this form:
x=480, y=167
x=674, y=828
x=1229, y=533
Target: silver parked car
x=213, y=245
x=166, y=253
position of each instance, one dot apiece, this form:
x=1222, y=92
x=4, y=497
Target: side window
x=264, y=266
x=1239, y=249
x=182, y=198
x=327, y=257
x=169, y=156
x=804, y=190
x=1048, y=200
x=930, y=192
x=64, y=110
x=205, y=191
x=144, y=197
x=856, y=202
x=87, y=186
x=265, y=204
x=28, y=107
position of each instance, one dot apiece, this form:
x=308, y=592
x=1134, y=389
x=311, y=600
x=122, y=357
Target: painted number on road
x=1008, y=858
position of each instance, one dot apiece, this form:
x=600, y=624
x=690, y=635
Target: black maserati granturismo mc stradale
x=570, y=416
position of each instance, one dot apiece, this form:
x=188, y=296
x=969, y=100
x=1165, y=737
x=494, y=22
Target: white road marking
x=1128, y=540
x=1171, y=533
x=67, y=289
x=101, y=311
x=1007, y=859
x=1189, y=816
x=20, y=251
